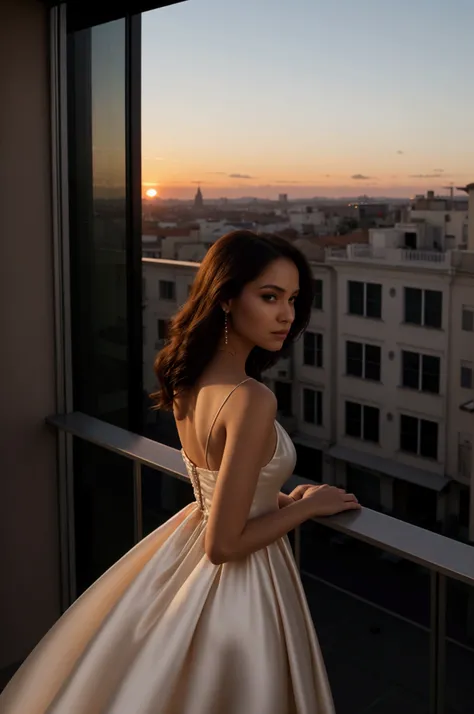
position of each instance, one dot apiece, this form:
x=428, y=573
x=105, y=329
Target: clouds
x=360, y=177
x=400, y=152
x=425, y=176
x=287, y=183
x=232, y=176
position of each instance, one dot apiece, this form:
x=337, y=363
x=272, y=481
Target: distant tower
x=469, y=189
x=198, y=199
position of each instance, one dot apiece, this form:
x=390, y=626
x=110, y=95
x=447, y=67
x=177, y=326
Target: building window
x=313, y=349
x=420, y=372
x=419, y=436
x=313, y=406
x=317, y=294
x=283, y=391
x=464, y=458
x=167, y=290
x=423, y=307
x=466, y=375
x=162, y=329
x=363, y=360
x=468, y=319
x=364, y=299
x=362, y=422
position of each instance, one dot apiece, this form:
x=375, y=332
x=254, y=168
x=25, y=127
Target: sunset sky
x=342, y=97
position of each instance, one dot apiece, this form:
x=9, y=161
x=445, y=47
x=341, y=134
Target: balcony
x=377, y=588
x=360, y=252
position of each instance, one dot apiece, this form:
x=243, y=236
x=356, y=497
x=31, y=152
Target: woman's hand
x=299, y=491
x=327, y=500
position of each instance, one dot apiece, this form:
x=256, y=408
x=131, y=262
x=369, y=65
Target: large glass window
x=362, y=421
x=105, y=285
x=419, y=436
x=313, y=349
x=421, y=372
x=423, y=307
x=363, y=360
x=364, y=299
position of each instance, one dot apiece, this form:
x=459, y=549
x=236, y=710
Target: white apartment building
x=302, y=217
x=166, y=285
x=450, y=219
x=378, y=395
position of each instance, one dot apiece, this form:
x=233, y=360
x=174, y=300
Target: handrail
x=435, y=552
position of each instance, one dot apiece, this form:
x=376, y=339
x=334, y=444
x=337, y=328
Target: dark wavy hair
x=194, y=332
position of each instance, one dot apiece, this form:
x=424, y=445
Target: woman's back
x=201, y=415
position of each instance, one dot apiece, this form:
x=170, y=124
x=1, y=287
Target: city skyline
x=388, y=114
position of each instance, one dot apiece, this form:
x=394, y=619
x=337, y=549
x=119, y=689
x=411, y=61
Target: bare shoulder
x=252, y=402
x=256, y=395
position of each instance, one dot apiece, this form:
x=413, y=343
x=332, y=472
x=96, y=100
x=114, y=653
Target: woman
x=207, y=614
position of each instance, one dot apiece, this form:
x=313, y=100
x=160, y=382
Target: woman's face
x=263, y=313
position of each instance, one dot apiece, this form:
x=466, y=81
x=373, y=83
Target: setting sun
x=151, y=193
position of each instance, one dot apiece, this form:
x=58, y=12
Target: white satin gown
x=164, y=631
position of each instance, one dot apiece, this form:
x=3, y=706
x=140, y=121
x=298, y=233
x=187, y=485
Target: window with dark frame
x=317, y=294
x=364, y=299
x=313, y=349
x=363, y=360
x=167, y=290
x=419, y=436
x=283, y=393
x=466, y=375
x=162, y=329
x=362, y=422
x=467, y=319
x=313, y=406
x=423, y=307
x=421, y=372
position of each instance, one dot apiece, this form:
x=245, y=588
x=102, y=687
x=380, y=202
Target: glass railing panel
x=372, y=615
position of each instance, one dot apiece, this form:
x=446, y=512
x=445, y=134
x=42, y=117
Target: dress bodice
x=270, y=480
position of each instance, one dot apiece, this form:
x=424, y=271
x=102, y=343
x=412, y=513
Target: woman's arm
x=249, y=422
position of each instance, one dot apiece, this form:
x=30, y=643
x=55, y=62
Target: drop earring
x=226, y=328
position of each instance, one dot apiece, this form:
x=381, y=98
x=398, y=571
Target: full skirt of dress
x=165, y=631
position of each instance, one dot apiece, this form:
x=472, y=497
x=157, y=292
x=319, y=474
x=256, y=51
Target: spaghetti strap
x=217, y=414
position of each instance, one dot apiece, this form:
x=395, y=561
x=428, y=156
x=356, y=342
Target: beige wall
x=460, y=423
x=29, y=560
x=392, y=335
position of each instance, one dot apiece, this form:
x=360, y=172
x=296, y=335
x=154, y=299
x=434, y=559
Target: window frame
x=466, y=367
x=364, y=361
x=161, y=290
x=366, y=301
x=281, y=397
x=467, y=311
x=318, y=406
x=362, y=419
x=421, y=371
x=317, y=349
x=318, y=294
x=419, y=437
x=423, y=307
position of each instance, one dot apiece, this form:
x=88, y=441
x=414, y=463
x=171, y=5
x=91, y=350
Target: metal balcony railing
x=442, y=557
